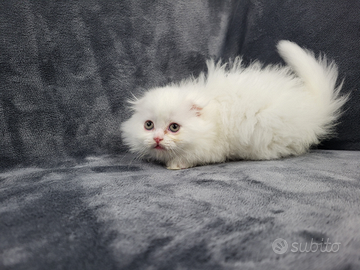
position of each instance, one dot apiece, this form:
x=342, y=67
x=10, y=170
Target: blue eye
x=174, y=127
x=149, y=125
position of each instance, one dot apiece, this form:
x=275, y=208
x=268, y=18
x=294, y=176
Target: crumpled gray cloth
x=120, y=213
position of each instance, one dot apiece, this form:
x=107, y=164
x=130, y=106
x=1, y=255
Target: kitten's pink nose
x=158, y=139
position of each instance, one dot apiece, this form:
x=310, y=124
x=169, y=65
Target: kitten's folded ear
x=197, y=109
x=197, y=105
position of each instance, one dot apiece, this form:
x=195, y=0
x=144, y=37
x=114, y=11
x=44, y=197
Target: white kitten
x=235, y=113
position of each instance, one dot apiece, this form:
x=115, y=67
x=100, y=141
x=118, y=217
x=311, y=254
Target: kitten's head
x=166, y=122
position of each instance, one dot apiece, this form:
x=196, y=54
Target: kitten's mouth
x=158, y=146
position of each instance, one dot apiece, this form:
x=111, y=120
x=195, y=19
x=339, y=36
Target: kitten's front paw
x=176, y=166
x=173, y=168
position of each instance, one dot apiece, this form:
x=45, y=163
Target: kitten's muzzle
x=158, y=140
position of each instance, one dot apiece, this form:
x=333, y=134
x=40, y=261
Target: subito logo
x=280, y=246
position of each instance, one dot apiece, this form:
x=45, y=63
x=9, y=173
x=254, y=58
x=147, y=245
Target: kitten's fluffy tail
x=319, y=76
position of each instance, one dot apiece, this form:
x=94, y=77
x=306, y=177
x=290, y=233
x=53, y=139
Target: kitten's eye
x=174, y=127
x=149, y=125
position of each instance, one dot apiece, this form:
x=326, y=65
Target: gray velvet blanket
x=119, y=213
x=70, y=196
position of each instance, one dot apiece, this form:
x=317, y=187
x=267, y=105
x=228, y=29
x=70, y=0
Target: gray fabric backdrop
x=67, y=67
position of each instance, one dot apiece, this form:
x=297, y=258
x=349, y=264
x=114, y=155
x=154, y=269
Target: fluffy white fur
x=234, y=113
